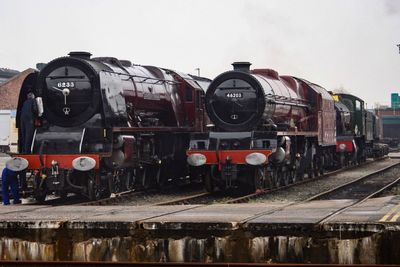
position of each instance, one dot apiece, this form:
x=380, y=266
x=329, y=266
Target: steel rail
x=386, y=187
x=116, y=198
x=246, y=198
x=362, y=178
x=303, y=181
x=328, y=192
x=183, y=200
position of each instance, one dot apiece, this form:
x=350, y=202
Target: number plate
x=65, y=84
x=234, y=95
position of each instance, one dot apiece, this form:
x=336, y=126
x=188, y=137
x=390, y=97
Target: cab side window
x=189, y=94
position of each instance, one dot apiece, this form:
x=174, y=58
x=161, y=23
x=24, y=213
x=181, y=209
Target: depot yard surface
x=256, y=232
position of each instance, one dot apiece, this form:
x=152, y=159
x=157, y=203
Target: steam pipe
x=68, y=179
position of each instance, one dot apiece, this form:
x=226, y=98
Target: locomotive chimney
x=80, y=54
x=241, y=66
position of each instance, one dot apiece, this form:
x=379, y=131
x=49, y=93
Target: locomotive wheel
x=322, y=165
x=311, y=170
x=316, y=166
x=292, y=176
x=145, y=178
x=118, y=185
x=40, y=195
x=311, y=173
x=197, y=174
x=341, y=161
x=151, y=176
x=39, y=192
x=208, y=180
x=259, y=178
x=129, y=180
x=267, y=180
x=285, y=178
x=163, y=174
x=299, y=176
x=110, y=181
x=93, y=191
x=274, y=179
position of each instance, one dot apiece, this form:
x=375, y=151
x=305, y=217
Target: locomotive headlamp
x=342, y=147
x=196, y=160
x=83, y=163
x=256, y=159
x=17, y=164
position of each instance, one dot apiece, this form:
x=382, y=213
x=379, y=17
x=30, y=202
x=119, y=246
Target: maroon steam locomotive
x=270, y=130
x=107, y=125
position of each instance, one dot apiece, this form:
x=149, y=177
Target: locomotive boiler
x=108, y=125
x=268, y=130
x=240, y=101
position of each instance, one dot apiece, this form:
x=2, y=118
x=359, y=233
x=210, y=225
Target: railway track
x=339, y=191
x=148, y=197
x=207, y=198
x=118, y=198
x=362, y=189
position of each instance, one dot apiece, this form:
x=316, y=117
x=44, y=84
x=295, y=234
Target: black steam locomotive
x=107, y=125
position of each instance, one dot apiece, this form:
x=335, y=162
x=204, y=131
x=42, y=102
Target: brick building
x=388, y=112
x=9, y=90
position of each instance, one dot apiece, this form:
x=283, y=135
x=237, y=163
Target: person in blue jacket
x=9, y=178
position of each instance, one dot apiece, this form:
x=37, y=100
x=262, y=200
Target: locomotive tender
x=108, y=125
x=269, y=131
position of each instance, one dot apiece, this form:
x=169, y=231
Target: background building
x=6, y=74
x=391, y=118
x=10, y=85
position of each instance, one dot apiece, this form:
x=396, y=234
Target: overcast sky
x=348, y=44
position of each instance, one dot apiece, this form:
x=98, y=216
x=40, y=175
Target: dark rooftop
x=6, y=74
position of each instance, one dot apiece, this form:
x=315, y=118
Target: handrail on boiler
x=80, y=144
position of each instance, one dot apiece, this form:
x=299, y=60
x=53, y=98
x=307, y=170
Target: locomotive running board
x=294, y=133
x=153, y=129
